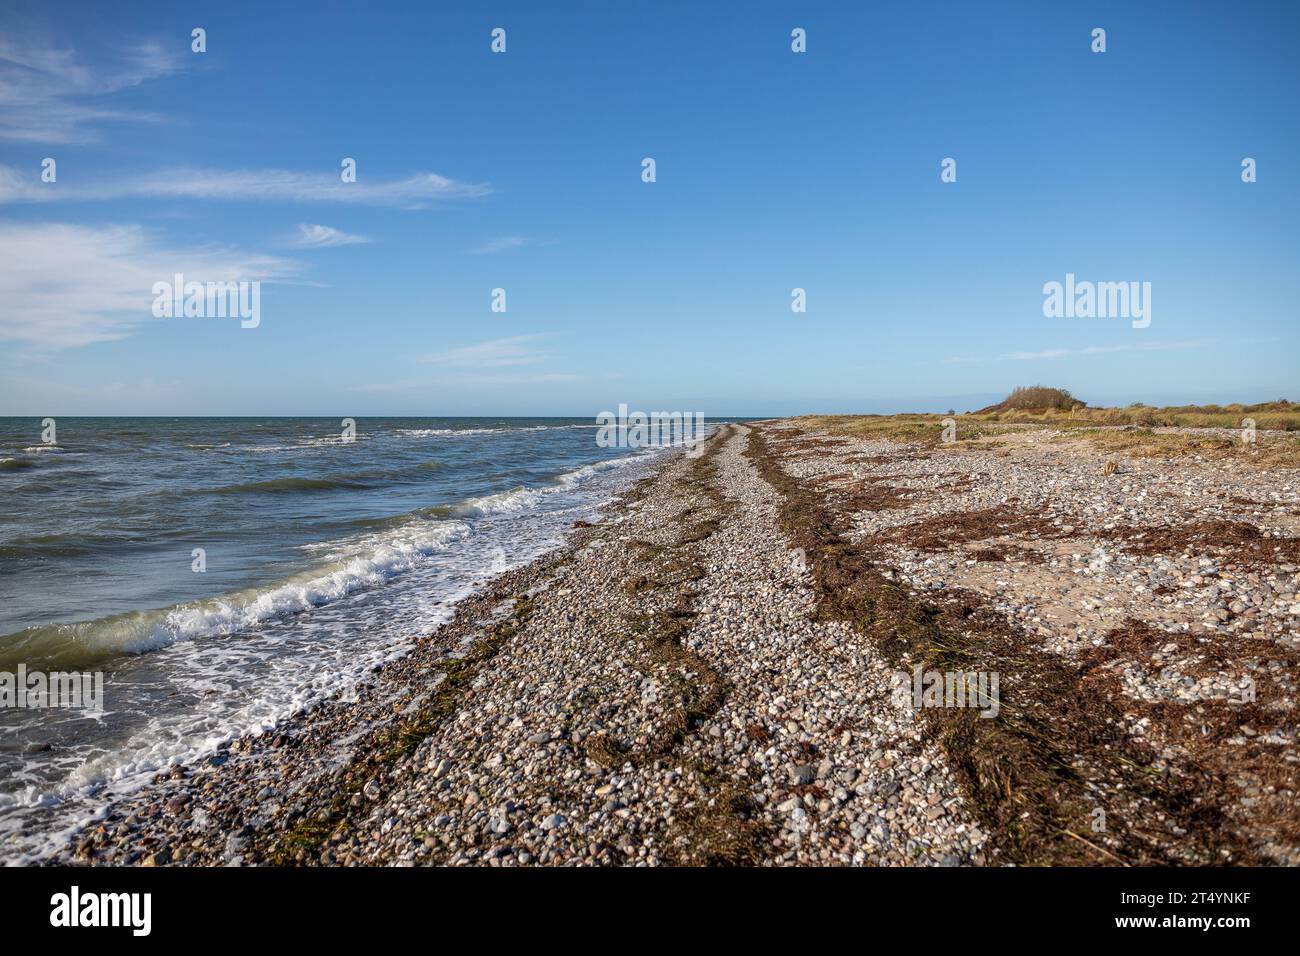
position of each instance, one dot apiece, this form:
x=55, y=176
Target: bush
x=1036, y=398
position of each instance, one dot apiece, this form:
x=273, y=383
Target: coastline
x=709, y=676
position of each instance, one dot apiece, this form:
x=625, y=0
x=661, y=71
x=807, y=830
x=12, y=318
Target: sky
x=523, y=171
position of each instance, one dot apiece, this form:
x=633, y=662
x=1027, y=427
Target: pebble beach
x=710, y=675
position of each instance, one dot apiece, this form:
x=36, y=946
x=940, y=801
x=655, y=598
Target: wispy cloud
x=382, y=387
x=318, y=237
x=1076, y=353
x=1105, y=350
x=267, y=185
x=66, y=285
x=495, y=353
x=503, y=243
x=50, y=95
x=537, y=378
x=467, y=381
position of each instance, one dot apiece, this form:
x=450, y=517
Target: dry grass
x=1130, y=431
x=1268, y=451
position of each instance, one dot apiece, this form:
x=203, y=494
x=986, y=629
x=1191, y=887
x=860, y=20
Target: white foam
x=399, y=552
x=458, y=432
x=327, y=441
x=578, y=475
x=518, y=499
x=515, y=500
x=444, y=432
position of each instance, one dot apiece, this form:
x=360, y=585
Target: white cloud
x=1076, y=353
x=540, y=378
x=502, y=244
x=495, y=353
x=49, y=95
x=318, y=237
x=65, y=285
x=271, y=185
x=1105, y=350
x=466, y=381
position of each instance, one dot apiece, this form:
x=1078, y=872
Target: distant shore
x=728, y=669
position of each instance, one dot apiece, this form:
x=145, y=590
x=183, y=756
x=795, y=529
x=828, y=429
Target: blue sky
x=522, y=171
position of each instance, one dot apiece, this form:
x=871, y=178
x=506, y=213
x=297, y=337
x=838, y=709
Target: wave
x=517, y=499
x=88, y=642
x=327, y=441
x=73, y=544
x=282, y=485
x=356, y=481
x=16, y=464
x=498, y=430
x=521, y=498
x=446, y=432
x=577, y=475
x=512, y=500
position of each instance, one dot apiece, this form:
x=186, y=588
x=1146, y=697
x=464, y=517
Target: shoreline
x=709, y=676
x=235, y=761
